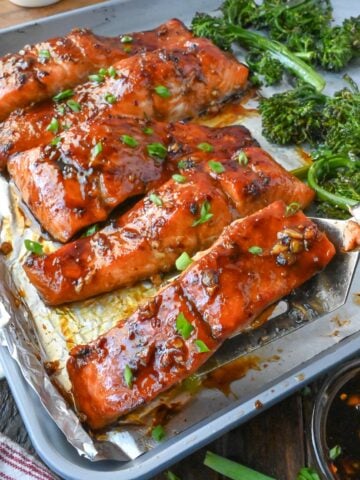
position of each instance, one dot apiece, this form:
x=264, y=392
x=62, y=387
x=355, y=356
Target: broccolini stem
x=279, y=52
x=322, y=168
x=301, y=172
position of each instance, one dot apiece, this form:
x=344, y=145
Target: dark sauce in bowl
x=335, y=428
x=343, y=430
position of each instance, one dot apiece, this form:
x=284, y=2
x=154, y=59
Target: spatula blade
x=322, y=294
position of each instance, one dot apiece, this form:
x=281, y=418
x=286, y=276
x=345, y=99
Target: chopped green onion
x=201, y=346
x=158, y=433
x=96, y=150
x=205, y=147
x=156, y=200
x=148, y=131
x=292, y=208
x=205, y=214
x=55, y=141
x=103, y=72
x=110, y=98
x=255, y=250
x=171, y=476
x=157, y=150
x=307, y=473
x=178, y=178
x=61, y=109
x=162, y=91
x=129, y=141
x=53, y=126
x=96, y=78
x=128, y=376
x=33, y=247
x=216, y=167
x=243, y=159
x=183, y=261
x=91, y=230
x=127, y=49
x=112, y=72
x=335, y=452
x=185, y=164
x=44, y=55
x=183, y=326
x=126, y=39
x=63, y=95
x=232, y=470
x=74, y=106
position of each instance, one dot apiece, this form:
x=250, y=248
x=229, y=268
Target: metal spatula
x=324, y=293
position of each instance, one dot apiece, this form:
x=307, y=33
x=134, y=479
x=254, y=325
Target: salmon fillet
x=40, y=71
x=68, y=187
x=148, y=238
x=167, y=85
x=169, y=338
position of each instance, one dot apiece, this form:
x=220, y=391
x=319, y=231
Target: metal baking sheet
x=291, y=361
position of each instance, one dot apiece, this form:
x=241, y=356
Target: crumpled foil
x=39, y=337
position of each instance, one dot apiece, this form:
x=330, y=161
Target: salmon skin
x=40, y=71
x=168, y=85
x=173, y=218
x=69, y=187
x=254, y=263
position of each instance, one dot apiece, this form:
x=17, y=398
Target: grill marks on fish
x=40, y=71
x=160, y=227
x=69, y=187
x=217, y=295
x=196, y=74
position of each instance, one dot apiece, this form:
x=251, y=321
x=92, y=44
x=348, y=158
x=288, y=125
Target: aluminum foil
x=39, y=337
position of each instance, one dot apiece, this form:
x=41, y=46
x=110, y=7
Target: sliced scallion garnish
x=74, y=106
x=205, y=147
x=178, y=178
x=157, y=150
x=110, y=98
x=183, y=261
x=205, y=214
x=183, y=326
x=34, y=247
x=63, y=95
x=216, y=167
x=53, y=125
x=201, y=346
x=158, y=433
x=129, y=141
x=243, y=159
x=255, y=250
x=155, y=199
x=128, y=376
x=162, y=91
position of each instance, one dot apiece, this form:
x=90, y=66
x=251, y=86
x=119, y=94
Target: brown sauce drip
x=52, y=367
x=223, y=377
x=228, y=114
x=305, y=156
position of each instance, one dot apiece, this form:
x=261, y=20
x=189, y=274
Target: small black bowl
x=320, y=422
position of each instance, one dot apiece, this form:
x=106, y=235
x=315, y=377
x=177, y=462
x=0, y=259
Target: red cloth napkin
x=17, y=464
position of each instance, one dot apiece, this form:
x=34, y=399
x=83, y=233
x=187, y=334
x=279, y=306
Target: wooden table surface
x=275, y=442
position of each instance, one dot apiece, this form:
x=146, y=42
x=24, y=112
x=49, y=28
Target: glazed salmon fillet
x=166, y=85
x=173, y=218
x=40, y=71
x=221, y=293
x=72, y=185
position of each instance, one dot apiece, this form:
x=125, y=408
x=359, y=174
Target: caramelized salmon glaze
x=40, y=71
x=173, y=84
x=179, y=215
x=255, y=262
